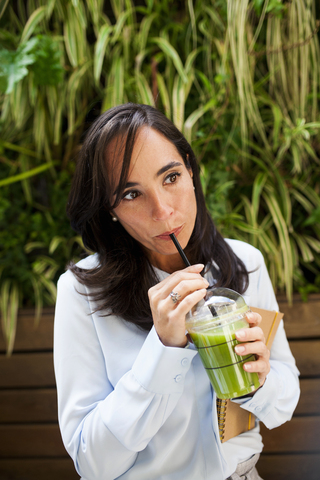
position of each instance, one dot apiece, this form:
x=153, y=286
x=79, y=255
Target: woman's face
x=159, y=198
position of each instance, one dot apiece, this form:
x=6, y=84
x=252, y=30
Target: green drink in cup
x=212, y=324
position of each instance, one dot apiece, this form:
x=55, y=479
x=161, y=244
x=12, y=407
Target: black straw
x=188, y=264
x=179, y=248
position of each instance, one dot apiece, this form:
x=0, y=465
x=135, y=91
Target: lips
x=166, y=235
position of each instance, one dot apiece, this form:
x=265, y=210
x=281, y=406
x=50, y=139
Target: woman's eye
x=130, y=195
x=172, y=178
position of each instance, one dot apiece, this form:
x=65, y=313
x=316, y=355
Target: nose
x=161, y=209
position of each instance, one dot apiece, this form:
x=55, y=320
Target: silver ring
x=175, y=297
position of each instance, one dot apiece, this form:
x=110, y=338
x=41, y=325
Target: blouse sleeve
x=276, y=401
x=103, y=428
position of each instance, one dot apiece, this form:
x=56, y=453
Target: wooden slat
x=30, y=338
x=307, y=355
x=289, y=467
x=40, y=405
x=26, y=406
x=38, y=469
x=301, y=320
x=300, y=435
x=31, y=441
x=309, y=403
x=27, y=370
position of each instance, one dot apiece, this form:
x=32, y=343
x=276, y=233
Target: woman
x=134, y=399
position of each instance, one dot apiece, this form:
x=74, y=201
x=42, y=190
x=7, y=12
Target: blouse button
x=184, y=362
x=178, y=378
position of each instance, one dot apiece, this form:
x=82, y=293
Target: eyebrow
x=160, y=172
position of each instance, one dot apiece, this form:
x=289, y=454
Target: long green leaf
x=164, y=94
x=74, y=83
x=13, y=317
x=100, y=49
x=35, y=18
x=28, y=174
x=144, y=90
x=178, y=102
x=304, y=247
x=258, y=185
x=3, y=6
x=283, y=234
x=144, y=30
x=18, y=148
x=195, y=116
x=171, y=52
x=313, y=242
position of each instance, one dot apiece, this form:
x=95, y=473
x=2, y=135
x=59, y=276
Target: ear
x=114, y=218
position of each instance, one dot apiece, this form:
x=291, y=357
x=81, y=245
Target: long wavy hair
x=119, y=284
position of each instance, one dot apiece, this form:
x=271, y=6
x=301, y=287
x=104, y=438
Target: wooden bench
x=30, y=443
x=292, y=451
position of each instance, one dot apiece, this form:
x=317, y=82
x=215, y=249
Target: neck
x=168, y=263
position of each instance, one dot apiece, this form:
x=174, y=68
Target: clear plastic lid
x=219, y=306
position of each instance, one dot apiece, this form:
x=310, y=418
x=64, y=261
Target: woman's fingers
x=168, y=284
x=253, y=318
x=253, y=342
x=184, y=289
x=257, y=348
x=250, y=334
x=170, y=301
x=259, y=366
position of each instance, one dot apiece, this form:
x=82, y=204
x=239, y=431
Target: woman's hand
x=254, y=342
x=168, y=316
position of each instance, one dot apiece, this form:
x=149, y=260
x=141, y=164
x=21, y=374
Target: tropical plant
x=240, y=79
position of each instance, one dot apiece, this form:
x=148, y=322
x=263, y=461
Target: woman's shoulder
x=87, y=263
x=246, y=252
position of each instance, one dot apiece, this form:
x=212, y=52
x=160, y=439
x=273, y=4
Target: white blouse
x=132, y=408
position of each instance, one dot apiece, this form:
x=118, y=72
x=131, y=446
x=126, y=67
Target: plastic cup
x=212, y=324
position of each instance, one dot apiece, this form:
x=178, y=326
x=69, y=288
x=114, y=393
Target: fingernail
x=240, y=334
x=239, y=349
x=250, y=316
x=247, y=366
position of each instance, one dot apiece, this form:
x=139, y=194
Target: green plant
x=240, y=79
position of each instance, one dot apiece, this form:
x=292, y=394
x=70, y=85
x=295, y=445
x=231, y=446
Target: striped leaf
x=9, y=312
x=307, y=205
x=144, y=90
x=284, y=240
x=258, y=186
x=3, y=6
x=19, y=149
x=164, y=94
x=313, y=242
x=195, y=116
x=74, y=84
x=27, y=174
x=100, y=50
x=35, y=18
x=171, y=52
x=37, y=291
x=178, y=102
x=303, y=247
x=144, y=30
x=118, y=28
x=307, y=191
x=118, y=73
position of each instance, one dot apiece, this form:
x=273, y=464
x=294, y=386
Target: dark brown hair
x=121, y=280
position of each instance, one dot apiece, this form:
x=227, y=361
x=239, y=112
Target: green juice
x=215, y=340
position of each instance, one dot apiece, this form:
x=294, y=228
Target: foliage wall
x=240, y=78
